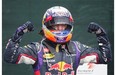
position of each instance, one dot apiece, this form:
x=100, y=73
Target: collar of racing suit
x=51, y=45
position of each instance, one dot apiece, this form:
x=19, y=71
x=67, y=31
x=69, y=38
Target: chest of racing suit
x=61, y=62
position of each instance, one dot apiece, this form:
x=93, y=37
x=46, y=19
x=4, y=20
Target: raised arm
x=103, y=41
x=16, y=54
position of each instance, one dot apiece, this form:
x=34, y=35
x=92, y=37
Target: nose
x=60, y=27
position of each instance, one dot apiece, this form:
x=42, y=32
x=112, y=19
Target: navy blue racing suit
x=49, y=58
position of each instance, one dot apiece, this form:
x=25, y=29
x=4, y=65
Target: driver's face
x=59, y=27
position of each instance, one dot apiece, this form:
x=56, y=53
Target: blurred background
x=17, y=12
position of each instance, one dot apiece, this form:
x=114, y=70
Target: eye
x=51, y=28
x=54, y=27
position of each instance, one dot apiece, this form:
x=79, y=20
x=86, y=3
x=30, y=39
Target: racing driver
x=56, y=53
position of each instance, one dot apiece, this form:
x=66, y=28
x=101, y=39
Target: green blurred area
x=17, y=12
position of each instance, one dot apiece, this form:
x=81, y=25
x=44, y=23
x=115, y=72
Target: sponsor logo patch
x=48, y=55
x=61, y=66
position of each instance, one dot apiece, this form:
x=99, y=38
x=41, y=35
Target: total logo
x=61, y=66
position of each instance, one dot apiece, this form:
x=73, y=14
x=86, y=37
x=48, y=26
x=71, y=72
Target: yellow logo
x=48, y=56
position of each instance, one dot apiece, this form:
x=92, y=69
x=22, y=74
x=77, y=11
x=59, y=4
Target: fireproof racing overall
x=54, y=59
x=48, y=58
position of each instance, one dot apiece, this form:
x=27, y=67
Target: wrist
x=101, y=34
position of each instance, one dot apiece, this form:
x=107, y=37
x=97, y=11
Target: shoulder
x=77, y=43
x=35, y=43
x=80, y=45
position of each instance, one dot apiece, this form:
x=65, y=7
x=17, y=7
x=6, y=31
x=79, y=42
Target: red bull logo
x=59, y=73
x=54, y=67
x=61, y=66
x=67, y=66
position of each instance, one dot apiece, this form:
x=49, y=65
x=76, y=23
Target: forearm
x=104, y=47
x=11, y=52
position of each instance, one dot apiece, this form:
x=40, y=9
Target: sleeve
x=100, y=54
x=89, y=54
x=16, y=55
x=104, y=47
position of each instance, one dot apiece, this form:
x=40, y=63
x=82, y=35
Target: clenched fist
x=96, y=29
x=26, y=27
